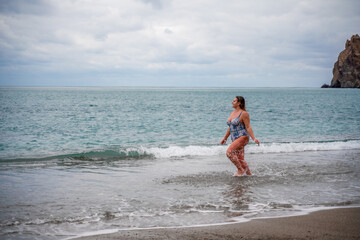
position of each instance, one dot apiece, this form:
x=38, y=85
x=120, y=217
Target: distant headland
x=346, y=71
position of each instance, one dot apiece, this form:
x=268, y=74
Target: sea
x=79, y=161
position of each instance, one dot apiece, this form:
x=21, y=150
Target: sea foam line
x=177, y=151
x=304, y=146
x=143, y=152
x=235, y=220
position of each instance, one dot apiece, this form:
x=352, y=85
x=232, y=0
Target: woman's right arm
x=223, y=141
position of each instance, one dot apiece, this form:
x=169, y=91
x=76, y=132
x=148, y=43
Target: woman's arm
x=223, y=141
x=246, y=121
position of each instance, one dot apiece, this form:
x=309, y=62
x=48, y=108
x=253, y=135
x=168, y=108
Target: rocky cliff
x=346, y=72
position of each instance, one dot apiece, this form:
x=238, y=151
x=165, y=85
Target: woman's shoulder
x=245, y=113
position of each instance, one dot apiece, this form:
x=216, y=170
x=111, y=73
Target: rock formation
x=346, y=72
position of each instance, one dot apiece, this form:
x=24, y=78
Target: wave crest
x=143, y=152
x=304, y=147
x=177, y=151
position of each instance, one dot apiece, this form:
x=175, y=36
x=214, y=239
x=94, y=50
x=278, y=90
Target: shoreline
x=333, y=223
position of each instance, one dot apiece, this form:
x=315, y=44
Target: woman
x=239, y=129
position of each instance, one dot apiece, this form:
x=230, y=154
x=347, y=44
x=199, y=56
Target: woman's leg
x=235, y=153
x=231, y=153
x=241, y=153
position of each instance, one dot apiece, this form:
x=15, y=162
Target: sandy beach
x=341, y=223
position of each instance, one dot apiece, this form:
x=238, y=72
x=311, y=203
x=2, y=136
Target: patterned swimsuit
x=237, y=128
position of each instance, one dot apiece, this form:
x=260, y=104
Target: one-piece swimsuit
x=237, y=128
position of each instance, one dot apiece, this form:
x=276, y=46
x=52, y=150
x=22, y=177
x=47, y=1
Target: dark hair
x=241, y=100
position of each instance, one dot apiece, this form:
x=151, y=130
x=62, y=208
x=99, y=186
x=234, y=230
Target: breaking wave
x=143, y=152
x=177, y=151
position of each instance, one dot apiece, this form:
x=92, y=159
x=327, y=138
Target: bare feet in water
x=239, y=173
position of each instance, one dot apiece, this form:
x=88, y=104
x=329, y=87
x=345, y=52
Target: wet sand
x=340, y=223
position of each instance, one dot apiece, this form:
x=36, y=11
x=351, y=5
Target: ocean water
x=81, y=160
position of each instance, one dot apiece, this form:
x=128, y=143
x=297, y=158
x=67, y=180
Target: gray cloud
x=237, y=43
x=157, y=4
x=35, y=7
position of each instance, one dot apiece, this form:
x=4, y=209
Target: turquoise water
x=42, y=122
x=79, y=159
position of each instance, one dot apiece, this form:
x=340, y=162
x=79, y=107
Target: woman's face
x=235, y=103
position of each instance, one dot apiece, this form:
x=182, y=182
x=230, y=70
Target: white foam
x=178, y=151
x=94, y=233
x=297, y=211
x=219, y=150
x=304, y=146
x=235, y=220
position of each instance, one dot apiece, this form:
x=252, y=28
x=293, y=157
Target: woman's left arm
x=246, y=121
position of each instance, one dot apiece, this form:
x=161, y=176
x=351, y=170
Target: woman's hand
x=223, y=141
x=257, y=141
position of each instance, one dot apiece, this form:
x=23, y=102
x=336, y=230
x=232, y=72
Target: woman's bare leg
x=235, y=153
x=241, y=154
x=231, y=154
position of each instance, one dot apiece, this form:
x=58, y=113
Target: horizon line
x=125, y=86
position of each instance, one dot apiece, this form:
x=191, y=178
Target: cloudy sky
x=200, y=43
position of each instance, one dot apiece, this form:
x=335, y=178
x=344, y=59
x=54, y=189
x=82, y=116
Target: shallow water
x=69, y=199
x=70, y=165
